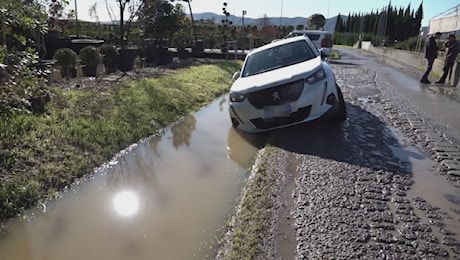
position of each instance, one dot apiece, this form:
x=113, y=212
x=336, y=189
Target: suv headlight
x=316, y=77
x=237, y=97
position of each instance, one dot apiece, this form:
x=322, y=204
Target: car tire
x=341, y=113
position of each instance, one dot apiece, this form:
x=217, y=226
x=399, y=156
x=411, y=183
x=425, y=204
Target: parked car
x=321, y=39
x=284, y=83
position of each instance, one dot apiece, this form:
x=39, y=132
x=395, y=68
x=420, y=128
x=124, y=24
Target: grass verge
x=42, y=154
x=252, y=223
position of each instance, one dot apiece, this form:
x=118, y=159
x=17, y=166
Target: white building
x=446, y=22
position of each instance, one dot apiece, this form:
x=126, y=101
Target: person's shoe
x=425, y=81
x=440, y=82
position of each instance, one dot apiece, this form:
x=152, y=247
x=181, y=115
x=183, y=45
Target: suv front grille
x=277, y=95
x=295, y=117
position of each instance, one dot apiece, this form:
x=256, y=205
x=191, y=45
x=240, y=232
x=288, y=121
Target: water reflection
x=126, y=203
x=182, y=131
x=222, y=102
x=241, y=147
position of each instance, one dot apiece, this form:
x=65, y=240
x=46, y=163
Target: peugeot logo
x=276, y=96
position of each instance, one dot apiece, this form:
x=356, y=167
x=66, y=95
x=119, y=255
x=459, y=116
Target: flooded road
x=165, y=198
x=437, y=103
x=171, y=196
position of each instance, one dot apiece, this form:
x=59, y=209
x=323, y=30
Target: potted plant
x=90, y=58
x=110, y=58
x=150, y=53
x=66, y=59
x=182, y=53
x=127, y=57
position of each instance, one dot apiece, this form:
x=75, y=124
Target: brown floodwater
x=429, y=185
x=168, y=197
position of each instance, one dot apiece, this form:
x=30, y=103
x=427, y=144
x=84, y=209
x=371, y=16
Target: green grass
x=335, y=55
x=254, y=218
x=83, y=128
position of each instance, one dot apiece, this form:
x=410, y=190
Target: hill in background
x=285, y=21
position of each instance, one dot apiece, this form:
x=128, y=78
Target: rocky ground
x=344, y=193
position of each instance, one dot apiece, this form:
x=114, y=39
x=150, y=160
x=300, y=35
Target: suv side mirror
x=236, y=75
x=324, y=52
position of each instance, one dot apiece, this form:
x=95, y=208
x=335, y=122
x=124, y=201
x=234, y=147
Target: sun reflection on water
x=126, y=203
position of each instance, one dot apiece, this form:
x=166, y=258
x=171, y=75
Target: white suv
x=284, y=83
x=321, y=39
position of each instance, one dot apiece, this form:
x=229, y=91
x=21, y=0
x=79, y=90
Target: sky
x=276, y=8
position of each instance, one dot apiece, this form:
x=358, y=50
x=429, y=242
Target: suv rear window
x=313, y=36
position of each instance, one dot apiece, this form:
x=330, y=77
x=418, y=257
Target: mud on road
x=343, y=192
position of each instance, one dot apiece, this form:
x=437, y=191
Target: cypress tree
x=418, y=19
x=338, y=24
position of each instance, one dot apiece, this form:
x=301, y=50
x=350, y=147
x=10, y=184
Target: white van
x=321, y=39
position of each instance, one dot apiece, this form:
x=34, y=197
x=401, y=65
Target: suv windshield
x=278, y=57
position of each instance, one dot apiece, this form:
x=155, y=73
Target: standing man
x=431, y=53
x=451, y=54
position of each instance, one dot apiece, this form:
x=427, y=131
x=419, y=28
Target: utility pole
x=244, y=29
x=281, y=16
x=76, y=18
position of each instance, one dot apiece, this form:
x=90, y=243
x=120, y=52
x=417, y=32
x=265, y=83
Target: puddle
x=164, y=199
x=428, y=184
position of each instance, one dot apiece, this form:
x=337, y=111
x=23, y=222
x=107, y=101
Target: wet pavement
x=384, y=185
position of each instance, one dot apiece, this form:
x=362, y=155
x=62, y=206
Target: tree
x=160, y=19
x=56, y=13
x=418, y=19
x=133, y=9
x=269, y=32
x=264, y=21
x=191, y=17
x=339, y=26
x=300, y=27
x=23, y=24
x=316, y=21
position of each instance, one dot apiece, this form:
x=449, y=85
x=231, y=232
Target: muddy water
x=428, y=184
x=164, y=198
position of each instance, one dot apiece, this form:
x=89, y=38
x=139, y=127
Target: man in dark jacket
x=452, y=48
x=431, y=53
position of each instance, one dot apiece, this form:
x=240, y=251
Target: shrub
x=410, y=44
x=21, y=79
x=110, y=58
x=67, y=60
x=90, y=56
x=345, y=38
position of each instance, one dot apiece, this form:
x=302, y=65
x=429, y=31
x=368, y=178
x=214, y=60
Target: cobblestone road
x=352, y=196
